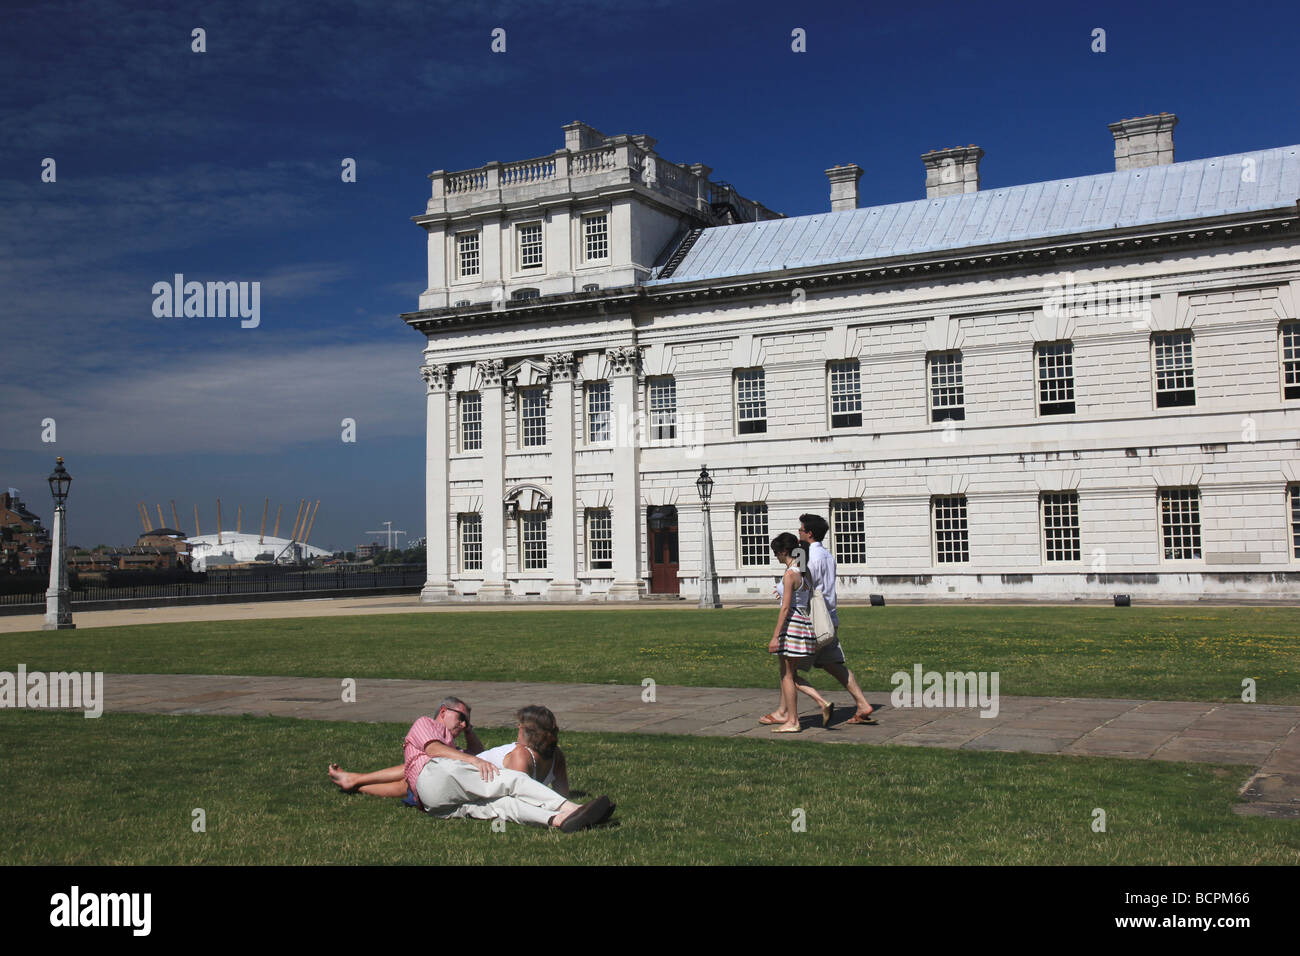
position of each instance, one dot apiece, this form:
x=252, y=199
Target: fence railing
x=218, y=583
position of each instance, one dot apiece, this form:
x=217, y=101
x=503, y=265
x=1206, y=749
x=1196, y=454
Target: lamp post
x=708, y=571
x=58, y=612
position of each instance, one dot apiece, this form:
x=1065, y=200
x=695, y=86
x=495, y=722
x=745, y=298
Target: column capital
x=624, y=359
x=490, y=372
x=562, y=366
x=437, y=378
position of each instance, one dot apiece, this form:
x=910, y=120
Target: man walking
x=821, y=567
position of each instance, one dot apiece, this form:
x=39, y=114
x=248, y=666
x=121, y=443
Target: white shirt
x=821, y=567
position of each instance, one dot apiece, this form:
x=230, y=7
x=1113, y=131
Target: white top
x=821, y=568
x=497, y=757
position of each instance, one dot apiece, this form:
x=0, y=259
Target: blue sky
x=225, y=166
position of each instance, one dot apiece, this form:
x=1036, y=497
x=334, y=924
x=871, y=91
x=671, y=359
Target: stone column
x=625, y=512
x=564, y=586
x=494, y=586
x=437, y=525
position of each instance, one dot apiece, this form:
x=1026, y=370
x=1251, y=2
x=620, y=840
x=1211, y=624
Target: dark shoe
x=587, y=815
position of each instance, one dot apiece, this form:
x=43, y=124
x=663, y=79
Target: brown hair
x=540, y=729
x=784, y=543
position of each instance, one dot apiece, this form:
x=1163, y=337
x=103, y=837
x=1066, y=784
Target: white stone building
x=1062, y=390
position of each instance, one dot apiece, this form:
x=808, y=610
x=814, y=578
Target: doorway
x=661, y=525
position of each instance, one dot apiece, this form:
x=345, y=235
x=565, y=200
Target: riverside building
x=1052, y=391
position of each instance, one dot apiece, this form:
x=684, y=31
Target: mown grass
x=1159, y=653
x=122, y=790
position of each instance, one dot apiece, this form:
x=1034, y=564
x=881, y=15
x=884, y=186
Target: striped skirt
x=797, y=638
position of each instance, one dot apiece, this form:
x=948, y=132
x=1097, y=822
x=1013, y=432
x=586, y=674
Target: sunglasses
x=463, y=716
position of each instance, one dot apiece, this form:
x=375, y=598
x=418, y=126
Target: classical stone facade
x=1055, y=391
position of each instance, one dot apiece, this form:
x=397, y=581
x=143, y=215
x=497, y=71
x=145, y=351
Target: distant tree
x=351, y=555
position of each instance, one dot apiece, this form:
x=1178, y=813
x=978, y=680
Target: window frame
x=527, y=519
x=459, y=254
x=1163, y=535
x=461, y=429
x=1289, y=329
x=856, y=394
x=524, y=397
x=841, y=552
x=589, y=391
x=1073, y=528
x=1057, y=407
x=654, y=415
x=955, y=412
x=464, y=524
x=602, y=519
x=584, y=240
x=1293, y=519
x=754, y=539
x=752, y=425
x=521, y=264
x=1179, y=393
x=964, y=531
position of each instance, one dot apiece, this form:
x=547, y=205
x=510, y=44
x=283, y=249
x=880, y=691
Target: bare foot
x=343, y=779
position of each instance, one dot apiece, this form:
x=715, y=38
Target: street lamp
x=708, y=571
x=58, y=612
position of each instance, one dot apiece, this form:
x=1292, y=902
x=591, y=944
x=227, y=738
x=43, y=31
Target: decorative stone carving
x=490, y=371
x=562, y=366
x=624, y=360
x=437, y=378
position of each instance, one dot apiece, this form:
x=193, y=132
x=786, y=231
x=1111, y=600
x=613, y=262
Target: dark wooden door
x=661, y=525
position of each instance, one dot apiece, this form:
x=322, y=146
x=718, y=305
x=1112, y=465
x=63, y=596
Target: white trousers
x=453, y=788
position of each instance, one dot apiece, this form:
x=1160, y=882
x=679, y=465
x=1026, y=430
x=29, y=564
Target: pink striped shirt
x=422, y=732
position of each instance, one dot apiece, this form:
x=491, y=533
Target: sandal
x=787, y=730
x=860, y=719
x=770, y=719
x=827, y=713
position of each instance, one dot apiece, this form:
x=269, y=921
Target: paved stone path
x=1264, y=736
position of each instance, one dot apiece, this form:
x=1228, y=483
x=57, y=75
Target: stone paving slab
x=1263, y=736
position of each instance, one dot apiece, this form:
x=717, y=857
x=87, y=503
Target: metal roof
x=1199, y=189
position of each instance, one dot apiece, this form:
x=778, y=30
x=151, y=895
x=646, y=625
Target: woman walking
x=793, y=638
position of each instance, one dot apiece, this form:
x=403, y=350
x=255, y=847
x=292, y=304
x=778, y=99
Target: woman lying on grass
x=534, y=752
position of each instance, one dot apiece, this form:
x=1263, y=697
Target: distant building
x=365, y=551
x=24, y=543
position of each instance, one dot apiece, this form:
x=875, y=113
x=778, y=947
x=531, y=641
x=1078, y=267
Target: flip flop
x=858, y=719
x=787, y=730
x=827, y=713
x=769, y=719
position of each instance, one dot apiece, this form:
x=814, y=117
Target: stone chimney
x=949, y=172
x=1144, y=141
x=844, y=186
x=579, y=136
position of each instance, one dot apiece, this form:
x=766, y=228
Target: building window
x=1175, y=386
x=751, y=531
x=600, y=539
x=751, y=401
x=523, y=295
x=1180, y=523
x=849, y=532
x=471, y=541
x=846, y=394
x=951, y=536
x=595, y=237
x=1061, y=526
x=947, y=393
x=532, y=417
x=530, y=245
x=1291, y=359
x=532, y=540
x=661, y=394
x=467, y=263
x=598, y=424
x=1294, y=492
x=471, y=421
x=1055, y=378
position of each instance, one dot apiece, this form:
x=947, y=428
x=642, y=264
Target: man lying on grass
x=451, y=782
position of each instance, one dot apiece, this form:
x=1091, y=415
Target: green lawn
x=1161, y=653
x=121, y=790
